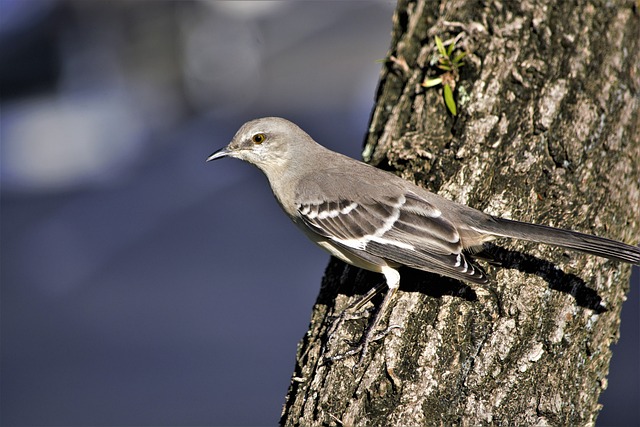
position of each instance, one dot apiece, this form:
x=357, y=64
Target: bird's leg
x=392, y=282
x=357, y=306
x=352, y=308
x=369, y=334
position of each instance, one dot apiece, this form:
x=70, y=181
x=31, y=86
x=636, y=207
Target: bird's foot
x=361, y=347
x=369, y=336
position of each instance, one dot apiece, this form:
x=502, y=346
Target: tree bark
x=548, y=133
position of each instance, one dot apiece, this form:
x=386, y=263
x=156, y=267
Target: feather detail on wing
x=404, y=229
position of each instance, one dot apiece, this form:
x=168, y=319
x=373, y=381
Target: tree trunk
x=548, y=133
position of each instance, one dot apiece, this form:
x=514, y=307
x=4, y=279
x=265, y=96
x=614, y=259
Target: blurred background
x=140, y=285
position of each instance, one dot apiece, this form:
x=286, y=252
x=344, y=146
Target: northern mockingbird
x=378, y=221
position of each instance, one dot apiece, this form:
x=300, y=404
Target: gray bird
x=378, y=221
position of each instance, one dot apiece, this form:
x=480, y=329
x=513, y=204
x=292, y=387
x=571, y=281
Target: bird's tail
x=594, y=245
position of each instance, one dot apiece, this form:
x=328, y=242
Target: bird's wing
x=403, y=228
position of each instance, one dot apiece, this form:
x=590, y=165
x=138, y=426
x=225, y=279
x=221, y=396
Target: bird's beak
x=223, y=152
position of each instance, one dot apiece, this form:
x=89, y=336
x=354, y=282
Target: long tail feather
x=594, y=245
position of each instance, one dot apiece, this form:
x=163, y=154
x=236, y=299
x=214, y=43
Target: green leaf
x=459, y=57
x=440, y=46
x=448, y=99
x=432, y=82
x=450, y=49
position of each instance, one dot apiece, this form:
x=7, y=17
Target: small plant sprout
x=449, y=64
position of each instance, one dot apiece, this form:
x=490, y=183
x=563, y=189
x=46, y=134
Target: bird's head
x=268, y=143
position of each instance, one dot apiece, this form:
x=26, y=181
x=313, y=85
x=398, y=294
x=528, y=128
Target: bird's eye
x=258, y=138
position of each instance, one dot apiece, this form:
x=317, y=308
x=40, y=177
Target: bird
x=377, y=221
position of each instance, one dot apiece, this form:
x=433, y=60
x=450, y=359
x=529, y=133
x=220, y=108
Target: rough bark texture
x=549, y=133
